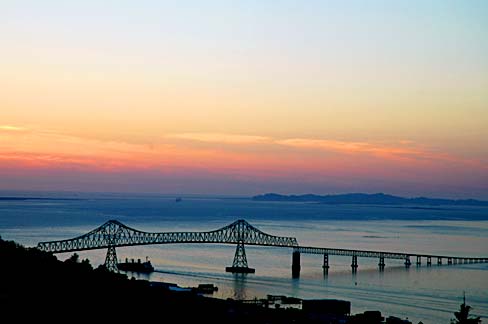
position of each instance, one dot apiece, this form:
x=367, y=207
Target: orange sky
x=321, y=98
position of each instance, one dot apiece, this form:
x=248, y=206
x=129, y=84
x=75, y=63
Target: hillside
x=373, y=199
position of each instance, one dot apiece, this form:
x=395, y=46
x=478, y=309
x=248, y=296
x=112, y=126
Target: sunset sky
x=245, y=97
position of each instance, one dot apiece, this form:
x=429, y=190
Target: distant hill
x=371, y=199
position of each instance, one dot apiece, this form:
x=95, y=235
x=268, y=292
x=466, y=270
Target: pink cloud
x=243, y=157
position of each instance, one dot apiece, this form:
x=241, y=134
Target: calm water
x=429, y=294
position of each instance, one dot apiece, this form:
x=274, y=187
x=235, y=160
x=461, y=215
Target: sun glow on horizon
x=319, y=97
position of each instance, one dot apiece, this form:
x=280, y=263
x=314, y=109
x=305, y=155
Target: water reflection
x=295, y=287
x=136, y=275
x=326, y=273
x=240, y=292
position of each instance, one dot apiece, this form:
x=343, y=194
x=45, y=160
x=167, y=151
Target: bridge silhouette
x=114, y=234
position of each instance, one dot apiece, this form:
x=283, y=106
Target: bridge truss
x=114, y=234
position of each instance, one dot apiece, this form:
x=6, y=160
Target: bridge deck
x=378, y=254
x=115, y=234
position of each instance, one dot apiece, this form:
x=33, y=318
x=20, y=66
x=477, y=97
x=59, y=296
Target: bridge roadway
x=114, y=234
x=381, y=255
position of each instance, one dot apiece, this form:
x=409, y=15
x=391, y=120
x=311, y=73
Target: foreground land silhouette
x=36, y=286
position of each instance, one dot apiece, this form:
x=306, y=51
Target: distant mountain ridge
x=371, y=199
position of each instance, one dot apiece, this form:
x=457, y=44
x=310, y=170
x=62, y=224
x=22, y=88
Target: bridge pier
x=295, y=264
x=449, y=261
x=439, y=261
x=407, y=262
x=381, y=264
x=429, y=261
x=111, y=259
x=326, y=262
x=354, y=264
x=240, y=261
x=419, y=260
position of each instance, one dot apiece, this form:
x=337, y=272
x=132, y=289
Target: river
x=430, y=294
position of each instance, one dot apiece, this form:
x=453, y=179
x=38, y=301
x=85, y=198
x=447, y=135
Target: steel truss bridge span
x=114, y=234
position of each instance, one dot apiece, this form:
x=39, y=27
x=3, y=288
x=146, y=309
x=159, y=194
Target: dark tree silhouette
x=75, y=258
x=463, y=317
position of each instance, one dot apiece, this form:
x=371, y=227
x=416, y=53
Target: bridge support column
x=429, y=261
x=419, y=260
x=449, y=261
x=439, y=261
x=326, y=262
x=381, y=264
x=295, y=264
x=240, y=261
x=111, y=259
x=407, y=262
x=354, y=264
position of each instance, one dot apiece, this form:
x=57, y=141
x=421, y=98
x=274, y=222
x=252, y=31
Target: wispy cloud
x=399, y=151
x=237, y=152
x=352, y=147
x=223, y=138
x=10, y=128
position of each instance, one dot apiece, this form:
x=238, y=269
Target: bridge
x=114, y=234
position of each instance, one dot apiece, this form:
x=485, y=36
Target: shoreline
x=273, y=309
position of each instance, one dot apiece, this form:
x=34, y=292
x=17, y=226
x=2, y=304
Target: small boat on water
x=132, y=266
x=206, y=288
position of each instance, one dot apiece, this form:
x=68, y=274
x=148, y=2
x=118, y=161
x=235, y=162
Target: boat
x=178, y=199
x=132, y=266
x=206, y=288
